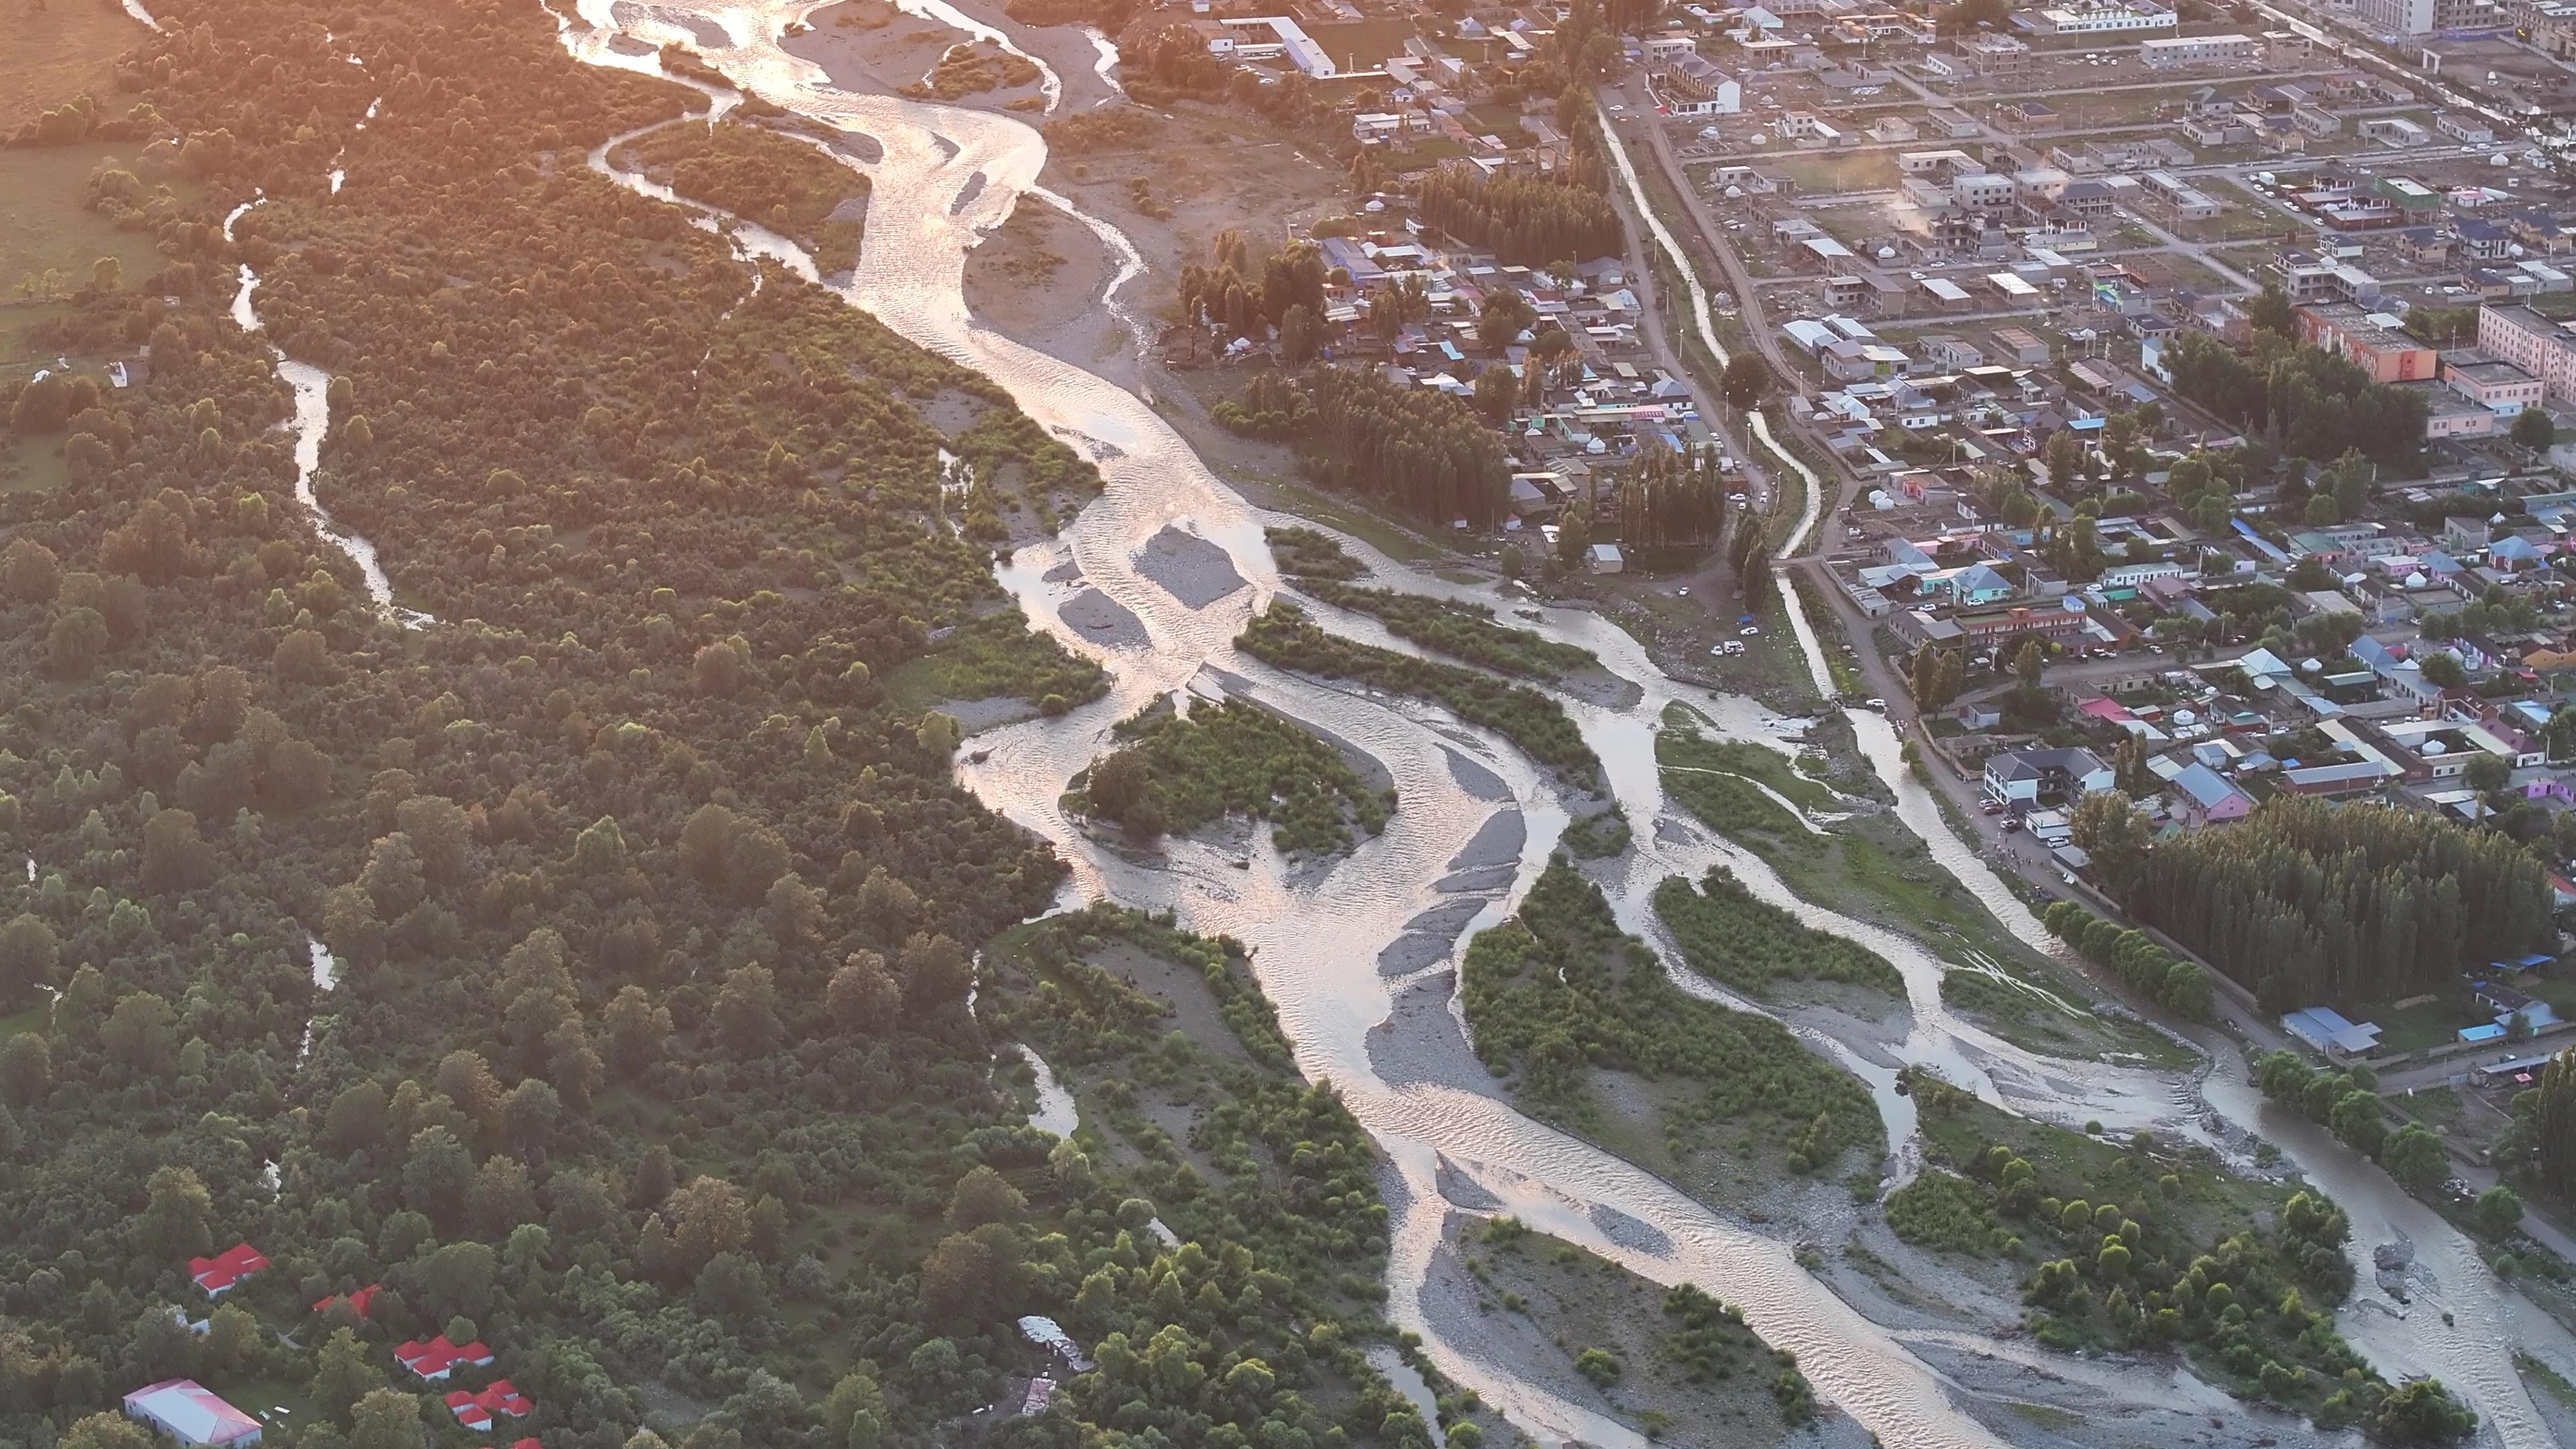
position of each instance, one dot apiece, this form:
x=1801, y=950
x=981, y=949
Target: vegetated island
x=1728, y=934
x=2142, y=1246
x=1282, y=635
x=1865, y=863
x=1176, y=773
x=1461, y=630
x=788, y=186
x=1322, y=567
x=1674, y=1364
x=1196, y=1124
x=1586, y=1030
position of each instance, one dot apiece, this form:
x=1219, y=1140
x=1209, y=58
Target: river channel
x=945, y=176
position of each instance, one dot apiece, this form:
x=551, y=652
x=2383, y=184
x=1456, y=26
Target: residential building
x=1982, y=191
x=2394, y=131
x=437, y=1359
x=2535, y=344
x=2398, y=17
x=2209, y=797
x=1997, y=55
x=2464, y=126
x=2491, y=383
x=1689, y=85
x=2222, y=130
x=2177, y=198
x=218, y=1274
x=191, y=1414
x=2449, y=415
x=2288, y=50
x=476, y=1411
x=2025, y=777
x=2020, y=345
x=2104, y=20
x=2171, y=52
x=2370, y=340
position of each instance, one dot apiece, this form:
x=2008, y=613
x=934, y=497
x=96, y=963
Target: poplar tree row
x=2308, y=902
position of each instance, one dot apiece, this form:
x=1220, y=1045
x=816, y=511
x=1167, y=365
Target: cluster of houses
x=192, y=1414
x=1601, y=400
x=2222, y=733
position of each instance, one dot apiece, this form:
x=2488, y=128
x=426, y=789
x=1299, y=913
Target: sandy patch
x=1411, y=952
x=879, y=53
x=1445, y=920
x=1194, y=1006
x=1497, y=842
x=1037, y=279
x=1634, y=1234
x=705, y=32
x=1461, y=1190
x=1188, y=567
x=1103, y=619
x=1479, y=782
x=977, y=715
x=1420, y=1042
x=952, y=411
x=1492, y=878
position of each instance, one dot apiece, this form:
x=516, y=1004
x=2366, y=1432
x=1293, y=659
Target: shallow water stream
x=944, y=177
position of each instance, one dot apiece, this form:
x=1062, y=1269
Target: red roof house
x=218, y=1274
x=358, y=1301
x=438, y=1358
x=475, y=1411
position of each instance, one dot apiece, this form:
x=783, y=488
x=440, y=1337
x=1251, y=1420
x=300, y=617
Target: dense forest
x=1527, y=221
x=646, y=1055
x=2307, y=902
x=1242, y=1328
x=2311, y=403
x=1360, y=432
x=788, y=186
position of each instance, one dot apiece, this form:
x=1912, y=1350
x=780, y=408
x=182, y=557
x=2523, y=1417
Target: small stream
x=312, y=389
x=946, y=176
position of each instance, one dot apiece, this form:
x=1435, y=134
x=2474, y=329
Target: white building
x=1982, y=190
x=1292, y=41
x=2170, y=51
x=2106, y=20
x=191, y=1414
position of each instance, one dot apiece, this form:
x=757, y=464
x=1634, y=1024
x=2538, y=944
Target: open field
x=1821, y=173
x=60, y=51
x=49, y=242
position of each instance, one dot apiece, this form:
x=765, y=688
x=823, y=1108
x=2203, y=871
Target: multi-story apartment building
x=2175, y=51
x=2534, y=343
x=2378, y=349
x=2423, y=17
x=2102, y=20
